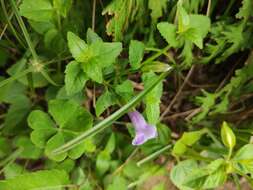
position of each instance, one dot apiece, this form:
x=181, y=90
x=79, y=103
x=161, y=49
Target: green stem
x=213, y=137
x=11, y=157
x=153, y=155
x=237, y=181
x=109, y=120
x=24, y=30
x=156, y=55
x=15, y=77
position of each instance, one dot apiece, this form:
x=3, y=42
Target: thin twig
x=181, y=114
x=208, y=7
x=93, y=15
x=178, y=93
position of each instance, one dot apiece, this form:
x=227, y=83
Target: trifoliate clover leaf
x=70, y=120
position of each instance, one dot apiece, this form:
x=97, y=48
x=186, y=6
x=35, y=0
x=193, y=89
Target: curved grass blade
x=109, y=120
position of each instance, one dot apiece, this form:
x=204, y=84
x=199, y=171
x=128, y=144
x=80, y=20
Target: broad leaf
x=39, y=10
x=152, y=99
x=47, y=179
x=104, y=101
x=76, y=46
x=75, y=78
x=125, y=90
x=168, y=32
x=136, y=52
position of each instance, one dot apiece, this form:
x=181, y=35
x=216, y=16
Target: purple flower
x=143, y=131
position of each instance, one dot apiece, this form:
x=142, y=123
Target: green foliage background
x=71, y=70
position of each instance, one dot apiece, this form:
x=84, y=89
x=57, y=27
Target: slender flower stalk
x=143, y=130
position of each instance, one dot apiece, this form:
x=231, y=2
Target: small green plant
x=126, y=94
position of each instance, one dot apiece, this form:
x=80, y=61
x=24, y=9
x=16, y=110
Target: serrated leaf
x=75, y=78
x=136, y=52
x=104, y=101
x=125, y=90
x=39, y=10
x=157, y=8
x=92, y=37
x=168, y=32
x=245, y=10
x=106, y=52
x=152, y=99
x=93, y=70
x=76, y=46
x=45, y=179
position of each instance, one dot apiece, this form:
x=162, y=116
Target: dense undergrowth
x=126, y=94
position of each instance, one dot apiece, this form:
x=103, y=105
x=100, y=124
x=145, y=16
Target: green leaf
x=180, y=172
x=103, y=162
x=76, y=46
x=62, y=111
x=29, y=150
x=168, y=32
x=16, y=114
x=104, y=101
x=75, y=78
x=47, y=179
x=5, y=147
x=43, y=127
x=62, y=6
x=188, y=176
x=110, y=146
x=106, y=52
x=199, y=27
x=119, y=183
x=136, y=52
x=39, y=10
x=188, y=139
x=243, y=159
x=67, y=165
x=215, y=179
x=227, y=136
x=71, y=119
x=125, y=90
x=54, y=142
x=183, y=19
x=245, y=10
x=93, y=70
x=157, y=8
x=12, y=170
x=92, y=37
x=208, y=177
x=152, y=100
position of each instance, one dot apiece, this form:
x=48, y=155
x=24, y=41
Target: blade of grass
x=153, y=155
x=8, y=19
x=109, y=120
x=24, y=30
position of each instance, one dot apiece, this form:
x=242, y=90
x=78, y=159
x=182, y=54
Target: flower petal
x=150, y=131
x=137, y=120
x=139, y=139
